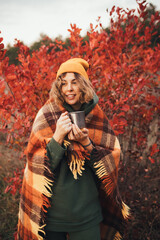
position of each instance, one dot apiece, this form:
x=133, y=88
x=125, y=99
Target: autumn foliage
x=124, y=70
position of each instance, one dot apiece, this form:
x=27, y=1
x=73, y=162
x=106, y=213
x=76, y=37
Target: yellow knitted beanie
x=77, y=65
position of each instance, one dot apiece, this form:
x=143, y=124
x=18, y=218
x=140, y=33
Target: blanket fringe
x=125, y=211
x=77, y=161
x=46, y=195
x=101, y=171
x=66, y=143
x=42, y=232
x=48, y=178
x=76, y=167
x=47, y=192
x=117, y=236
x=102, y=174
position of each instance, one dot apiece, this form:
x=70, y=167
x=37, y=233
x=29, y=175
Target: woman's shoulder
x=50, y=109
x=46, y=108
x=49, y=105
x=98, y=110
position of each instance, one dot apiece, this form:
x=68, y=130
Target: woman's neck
x=76, y=106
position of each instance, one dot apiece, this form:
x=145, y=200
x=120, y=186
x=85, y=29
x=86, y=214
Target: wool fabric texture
x=77, y=65
x=38, y=178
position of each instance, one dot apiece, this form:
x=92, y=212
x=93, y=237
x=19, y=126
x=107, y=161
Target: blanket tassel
x=125, y=211
x=117, y=236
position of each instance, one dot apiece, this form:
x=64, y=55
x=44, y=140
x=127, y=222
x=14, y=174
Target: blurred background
x=26, y=20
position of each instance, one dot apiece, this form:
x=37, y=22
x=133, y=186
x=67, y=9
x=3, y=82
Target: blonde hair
x=85, y=86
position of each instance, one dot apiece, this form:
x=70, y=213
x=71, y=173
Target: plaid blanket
x=38, y=178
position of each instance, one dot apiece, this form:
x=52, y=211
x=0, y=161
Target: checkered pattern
x=38, y=179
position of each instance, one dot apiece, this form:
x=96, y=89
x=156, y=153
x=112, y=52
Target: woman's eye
x=63, y=83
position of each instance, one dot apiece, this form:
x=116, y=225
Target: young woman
x=69, y=189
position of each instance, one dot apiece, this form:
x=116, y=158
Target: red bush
x=123, y=70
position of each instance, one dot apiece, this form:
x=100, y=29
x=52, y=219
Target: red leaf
x=1, y=39
x=154, y=149
x=1, y=46
x=113, y=9
x=151, y=160
x=11, y=77
x=125, y=108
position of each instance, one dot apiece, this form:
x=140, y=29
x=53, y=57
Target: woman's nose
x=70, y=86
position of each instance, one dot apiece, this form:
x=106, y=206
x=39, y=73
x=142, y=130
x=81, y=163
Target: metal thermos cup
x=78, y=118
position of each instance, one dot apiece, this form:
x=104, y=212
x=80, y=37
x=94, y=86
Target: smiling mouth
x=70, y=97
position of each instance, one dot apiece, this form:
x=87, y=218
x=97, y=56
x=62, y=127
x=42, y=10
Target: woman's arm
x=63, y=127
x=55, y=148
x=55, y=153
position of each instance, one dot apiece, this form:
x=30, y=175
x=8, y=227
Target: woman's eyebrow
x=66, y=80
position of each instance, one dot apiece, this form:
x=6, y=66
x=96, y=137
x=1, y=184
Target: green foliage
x=12, y=54
x=156, y=37
x=44, y=40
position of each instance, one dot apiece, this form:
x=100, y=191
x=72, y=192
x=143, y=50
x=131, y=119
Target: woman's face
x=71, y=91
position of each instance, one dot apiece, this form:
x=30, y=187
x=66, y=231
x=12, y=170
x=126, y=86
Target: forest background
x=124, y=70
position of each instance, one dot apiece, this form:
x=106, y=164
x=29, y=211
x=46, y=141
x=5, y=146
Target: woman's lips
x=70, y=97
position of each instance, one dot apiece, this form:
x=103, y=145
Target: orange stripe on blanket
x=32, y=194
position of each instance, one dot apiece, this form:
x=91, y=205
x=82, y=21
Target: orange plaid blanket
x=38, y=178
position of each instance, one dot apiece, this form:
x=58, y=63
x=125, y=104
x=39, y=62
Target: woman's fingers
x=71, y=136
x=85, y=131
x=64, y=114
x=67, y=126
x=64, y=119
x=64, y=124
x=76, y=131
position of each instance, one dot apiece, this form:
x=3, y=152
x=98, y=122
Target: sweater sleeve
x=55, y=153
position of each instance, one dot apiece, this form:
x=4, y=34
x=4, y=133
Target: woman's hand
x=79, y=135
x=63, y=127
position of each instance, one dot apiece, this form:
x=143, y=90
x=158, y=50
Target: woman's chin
x=75, y=105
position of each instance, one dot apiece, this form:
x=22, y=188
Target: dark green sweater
x=75, y=204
